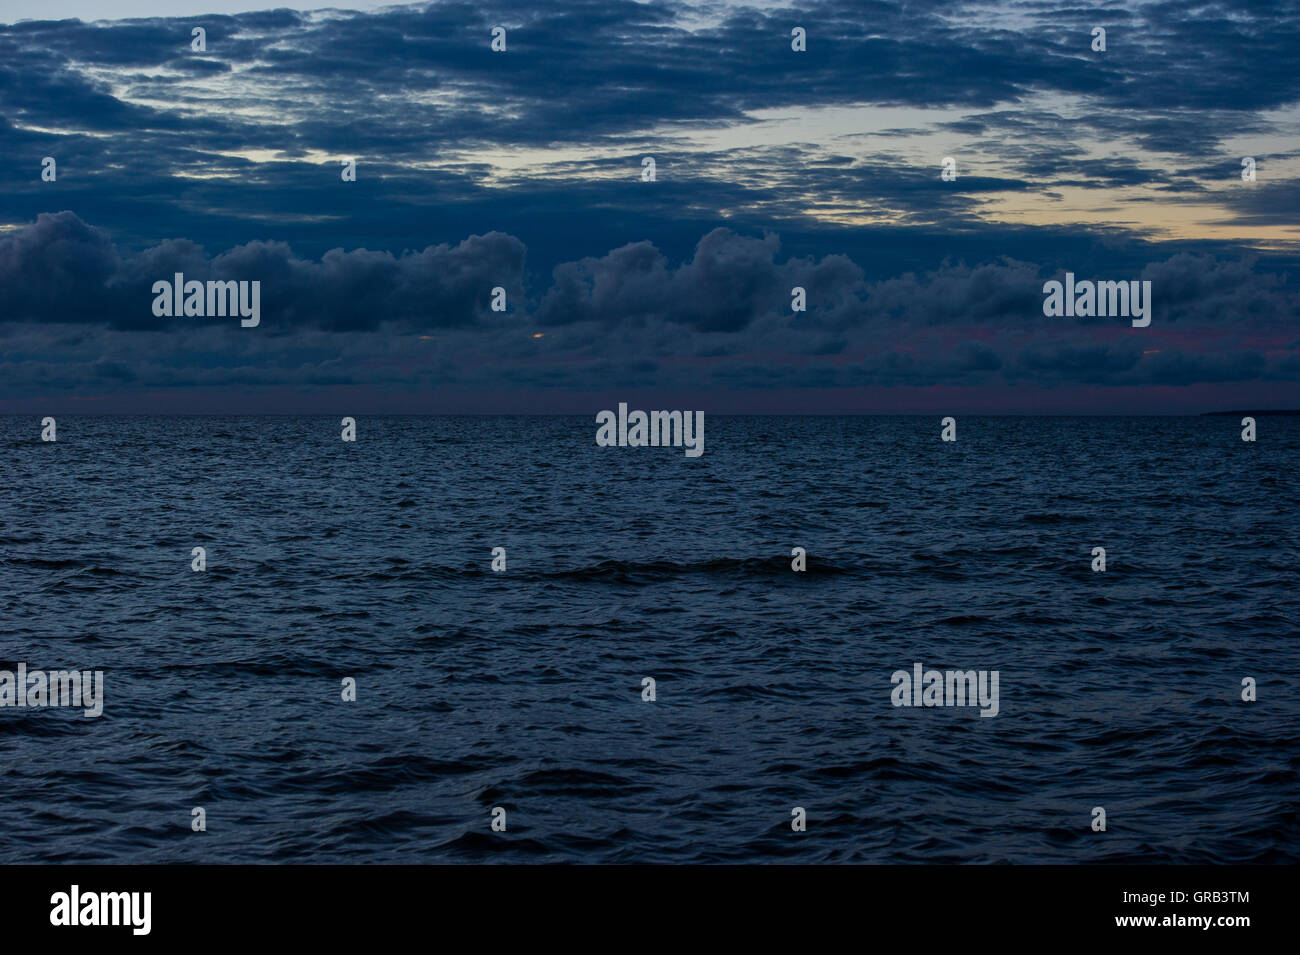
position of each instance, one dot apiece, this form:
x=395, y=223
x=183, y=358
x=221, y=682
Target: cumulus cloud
x=77, y=316
x=60, y=270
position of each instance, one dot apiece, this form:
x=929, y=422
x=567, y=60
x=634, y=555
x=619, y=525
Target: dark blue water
x=523, y=689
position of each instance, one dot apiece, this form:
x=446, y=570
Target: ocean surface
x=523, y=689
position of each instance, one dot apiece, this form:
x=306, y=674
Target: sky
x=774, y=169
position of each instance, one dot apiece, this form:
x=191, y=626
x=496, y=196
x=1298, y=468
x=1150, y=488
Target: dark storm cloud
x=730, y=281
x=60, y=270
x=77, y=315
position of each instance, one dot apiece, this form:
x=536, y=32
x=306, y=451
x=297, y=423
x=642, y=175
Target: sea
x=1161, y=689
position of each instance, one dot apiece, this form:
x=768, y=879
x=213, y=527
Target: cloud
x=61, y=270
x=147, y=130
x=77, y=316
x=521, y=170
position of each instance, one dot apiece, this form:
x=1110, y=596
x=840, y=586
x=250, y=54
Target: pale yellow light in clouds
x=1155, y=213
